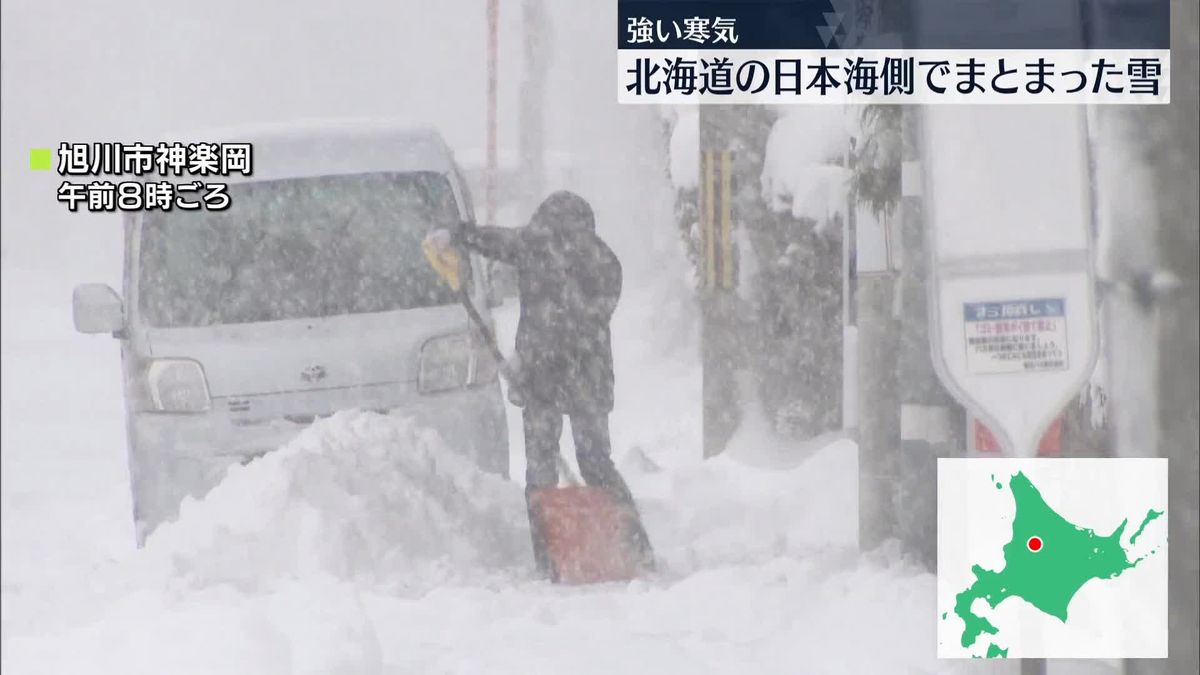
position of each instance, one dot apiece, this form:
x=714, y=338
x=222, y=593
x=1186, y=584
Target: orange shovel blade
x=587, y=534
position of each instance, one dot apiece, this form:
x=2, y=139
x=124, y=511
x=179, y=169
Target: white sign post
x=1012, y=306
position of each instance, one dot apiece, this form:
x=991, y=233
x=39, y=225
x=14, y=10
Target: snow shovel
x=586, y=535
x=446, y=261
x=581, y=534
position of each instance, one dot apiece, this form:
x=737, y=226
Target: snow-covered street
x=327, y=557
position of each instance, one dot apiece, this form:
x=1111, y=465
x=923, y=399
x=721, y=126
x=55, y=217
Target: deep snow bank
x=727, y=511
x=359, y=496
x=266, y=573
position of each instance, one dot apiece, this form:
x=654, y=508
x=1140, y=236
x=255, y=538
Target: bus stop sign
x=1012, y=305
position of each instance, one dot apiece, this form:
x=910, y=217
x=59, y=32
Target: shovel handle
x=484, y=329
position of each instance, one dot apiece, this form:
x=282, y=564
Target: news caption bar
x=821, y=51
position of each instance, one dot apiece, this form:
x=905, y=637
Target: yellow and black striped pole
x=721, y=353
x=716, y=219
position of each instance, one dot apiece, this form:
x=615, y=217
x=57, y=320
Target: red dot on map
x=1034, y=544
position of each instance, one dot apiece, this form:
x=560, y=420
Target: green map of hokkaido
x=1069, y=557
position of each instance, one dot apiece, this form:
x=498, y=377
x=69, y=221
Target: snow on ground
x=265, y=574
x=346, y=551
x=359, y=496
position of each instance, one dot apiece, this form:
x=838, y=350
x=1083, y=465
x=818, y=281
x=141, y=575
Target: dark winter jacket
x=569, y=282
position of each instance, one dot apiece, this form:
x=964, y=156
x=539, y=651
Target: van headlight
x=178, y=386
x=454, y=362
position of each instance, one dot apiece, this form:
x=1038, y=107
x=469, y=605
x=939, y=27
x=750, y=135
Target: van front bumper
x=172, y=456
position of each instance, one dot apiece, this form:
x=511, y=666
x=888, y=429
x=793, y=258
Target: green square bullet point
x=40, y=159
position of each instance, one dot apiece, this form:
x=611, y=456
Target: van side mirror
x=493, y=299
x=502, y=283
x=96, y=308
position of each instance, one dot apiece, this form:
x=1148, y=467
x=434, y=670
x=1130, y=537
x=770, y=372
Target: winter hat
x=564, y=211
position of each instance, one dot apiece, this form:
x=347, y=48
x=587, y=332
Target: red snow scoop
x=588, y=535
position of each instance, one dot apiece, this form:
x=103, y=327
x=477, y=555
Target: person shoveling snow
x=569, y=282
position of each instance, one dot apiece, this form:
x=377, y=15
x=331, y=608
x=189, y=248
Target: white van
x=309, y=295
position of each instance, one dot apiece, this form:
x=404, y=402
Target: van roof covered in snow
x=332, y=147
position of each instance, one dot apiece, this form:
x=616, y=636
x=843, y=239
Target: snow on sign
x=1015, y=336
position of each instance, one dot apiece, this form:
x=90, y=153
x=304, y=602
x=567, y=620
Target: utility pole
x=931, y=423
x=906, y=418
x=532, y=147
x=493, y=16
x=1155, y=285
x=720, y=355
x=879, y=412
x=732, y=143
x=878, y=423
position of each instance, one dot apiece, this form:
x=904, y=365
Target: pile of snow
x=756, y=501
x=800, y=170
x=267, y=573
x=359, y=496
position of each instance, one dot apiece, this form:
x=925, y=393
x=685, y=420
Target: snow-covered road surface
x=348, y=551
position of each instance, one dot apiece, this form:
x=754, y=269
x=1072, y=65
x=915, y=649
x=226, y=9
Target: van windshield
x=297, y=248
